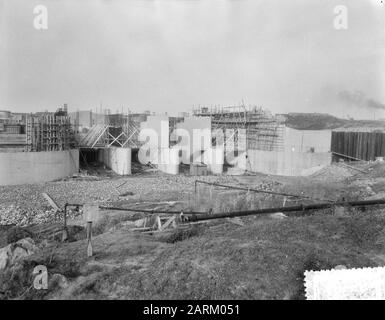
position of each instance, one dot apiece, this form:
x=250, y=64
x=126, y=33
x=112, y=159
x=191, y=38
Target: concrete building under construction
x=263, y=130
x=254, y=140
x=36, y=147
x=271, y=146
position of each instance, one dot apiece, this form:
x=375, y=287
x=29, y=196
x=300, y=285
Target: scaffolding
x=106, y=136
x=49, y=131
x=262, y=130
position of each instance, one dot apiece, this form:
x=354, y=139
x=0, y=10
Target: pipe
x=73, y=205
x=317, y=206
x=150, y=211
x=261, y=191
x=136, y=210
x=346, y=156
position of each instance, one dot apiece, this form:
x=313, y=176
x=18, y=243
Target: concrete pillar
x=117, y=159
x=214, y=159
x=196, y=137
x=174, y=161
x=169, y=160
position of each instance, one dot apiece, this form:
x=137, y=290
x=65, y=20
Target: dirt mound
x=333, y=172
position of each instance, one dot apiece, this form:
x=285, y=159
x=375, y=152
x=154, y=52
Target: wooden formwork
x=48, y=132
x=360, y=145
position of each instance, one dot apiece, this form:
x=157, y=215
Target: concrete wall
x=117, y=159
x=34, y=167
x=169, y=160
x=155, y=139
x=286, y=163
x=304, y=140
x=198, y=131
x=295, y=159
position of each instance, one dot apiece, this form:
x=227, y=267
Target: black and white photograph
x=192, y=154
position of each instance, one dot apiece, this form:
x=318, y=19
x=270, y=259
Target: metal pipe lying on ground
x=138, y=210
x=259, y=190
x=150, y=211
x=317, y=206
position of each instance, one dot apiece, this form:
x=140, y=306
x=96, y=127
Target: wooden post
x=89, y=238
x=159, y=223
x=65, y=231
x=90, y=213
x=211, y=193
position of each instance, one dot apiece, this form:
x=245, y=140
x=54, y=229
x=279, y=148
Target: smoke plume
x=359, y=99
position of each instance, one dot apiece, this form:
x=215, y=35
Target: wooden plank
x=382, y=154
x=236, y=220
x=141, y=229
x=168, y=222
x=364, y=147
x=369, y=146
x=348, y=144
x=158, y=222
x=89, y=239
x=51, y=202
x=376, y=145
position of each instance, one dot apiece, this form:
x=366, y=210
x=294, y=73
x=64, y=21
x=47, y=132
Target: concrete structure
x=194, y=136
x=86, y=119
x=303, y=152
x=12, y=142
x=307, y=140
x=155, y=133
x=197, y=169
x=272, y=147
x=286, y=163
x=117, y=159
x=169, y=160
x=35, y=167
x=261, y=130
x=214, y=159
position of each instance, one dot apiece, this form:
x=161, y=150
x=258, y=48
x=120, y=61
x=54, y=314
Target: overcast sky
x=171, y=55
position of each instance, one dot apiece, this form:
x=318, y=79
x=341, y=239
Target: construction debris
x=16, y=251
x=51, y=202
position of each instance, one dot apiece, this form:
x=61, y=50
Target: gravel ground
x=24, y=204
